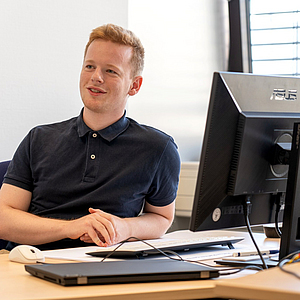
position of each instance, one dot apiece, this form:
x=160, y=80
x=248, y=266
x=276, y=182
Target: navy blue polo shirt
x=68, y=168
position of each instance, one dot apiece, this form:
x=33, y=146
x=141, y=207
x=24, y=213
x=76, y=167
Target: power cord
x=247, y=206
x=250, y=267
x=148, y=244
x=289, y=259
x=179, y=258
x=279, y=200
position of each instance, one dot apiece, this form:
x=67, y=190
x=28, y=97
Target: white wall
x=185, y=42
x=41, y=51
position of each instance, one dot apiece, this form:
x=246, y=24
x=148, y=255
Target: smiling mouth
x=96, y=91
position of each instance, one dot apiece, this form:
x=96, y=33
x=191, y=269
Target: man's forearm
x=148, y=226
x=25, y=228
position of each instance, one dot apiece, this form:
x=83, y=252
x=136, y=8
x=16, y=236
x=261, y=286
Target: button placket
x=94, y=135
x=92, y=152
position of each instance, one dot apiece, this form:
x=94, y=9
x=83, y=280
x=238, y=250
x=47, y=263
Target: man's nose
x=97, y=76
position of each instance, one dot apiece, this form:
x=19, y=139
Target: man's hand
x=110, y=229
x=100, y=228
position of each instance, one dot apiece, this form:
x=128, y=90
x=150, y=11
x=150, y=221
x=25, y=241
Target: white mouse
x=26, y=254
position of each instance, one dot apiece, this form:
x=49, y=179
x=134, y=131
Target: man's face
x=105, y=80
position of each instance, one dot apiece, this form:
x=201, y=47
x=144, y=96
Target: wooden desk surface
x=272, y=284
x=17, y=284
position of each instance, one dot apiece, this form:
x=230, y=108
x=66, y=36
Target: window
x=275, y=36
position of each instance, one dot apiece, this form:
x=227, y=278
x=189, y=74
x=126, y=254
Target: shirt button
x=94, y=135
x=93, y=156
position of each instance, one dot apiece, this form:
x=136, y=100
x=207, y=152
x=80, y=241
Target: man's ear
x=135, y=86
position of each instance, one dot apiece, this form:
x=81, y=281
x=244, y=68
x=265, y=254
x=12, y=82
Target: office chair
x=3, y=168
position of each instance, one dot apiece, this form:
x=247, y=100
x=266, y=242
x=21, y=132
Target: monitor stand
x=290, y=238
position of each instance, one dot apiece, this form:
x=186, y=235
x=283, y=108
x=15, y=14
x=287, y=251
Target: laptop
x=126, y=271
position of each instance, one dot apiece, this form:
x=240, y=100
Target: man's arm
x=17, y=225
x=101, y=228
x=153, y=223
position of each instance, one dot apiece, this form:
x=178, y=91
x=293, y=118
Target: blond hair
x=119, y=35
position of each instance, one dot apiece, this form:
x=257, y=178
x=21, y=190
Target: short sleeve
x=19, y=171
x=164, y=186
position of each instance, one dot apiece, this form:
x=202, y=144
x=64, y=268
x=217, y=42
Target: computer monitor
x=250, y=118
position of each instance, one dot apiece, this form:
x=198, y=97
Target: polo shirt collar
x=109, y=133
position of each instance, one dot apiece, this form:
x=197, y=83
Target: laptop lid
x=126, y=271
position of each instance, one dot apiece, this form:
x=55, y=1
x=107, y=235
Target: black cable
x=148, y=244
x=290, y=258
x=278, y=202
x=277, y=229
x=179, y=258
x=250, y=267
x=247, y=205
x=280, y=265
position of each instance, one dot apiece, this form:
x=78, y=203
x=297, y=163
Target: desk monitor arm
x=290, y=238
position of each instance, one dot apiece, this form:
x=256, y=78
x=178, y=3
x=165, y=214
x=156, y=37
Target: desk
x=17, y=284
x=272, y=284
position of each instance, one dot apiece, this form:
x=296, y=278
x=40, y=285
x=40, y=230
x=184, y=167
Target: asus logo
x=282, y=94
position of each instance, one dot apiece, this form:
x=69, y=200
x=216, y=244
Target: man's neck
x=98, y=121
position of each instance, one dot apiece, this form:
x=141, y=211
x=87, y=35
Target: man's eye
x=111, y=71
x=89, y=67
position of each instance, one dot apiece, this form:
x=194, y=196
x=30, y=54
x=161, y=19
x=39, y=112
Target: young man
x=100, y=177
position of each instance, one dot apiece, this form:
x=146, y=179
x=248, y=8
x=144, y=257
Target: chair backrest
x=3, y=168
